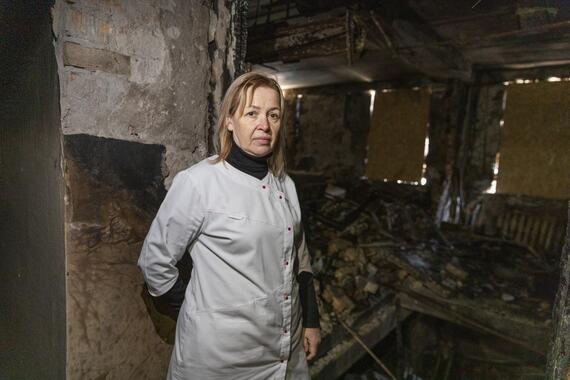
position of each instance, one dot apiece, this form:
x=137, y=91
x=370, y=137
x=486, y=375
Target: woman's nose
x=263, y=124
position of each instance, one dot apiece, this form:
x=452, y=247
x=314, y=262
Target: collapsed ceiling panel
x=366, y=41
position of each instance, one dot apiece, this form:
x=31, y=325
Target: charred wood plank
x=420, y=303
x=299, y=41
x=339, y=351
x=289, y=43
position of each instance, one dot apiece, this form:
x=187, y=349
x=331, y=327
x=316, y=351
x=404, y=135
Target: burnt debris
x=379, y=257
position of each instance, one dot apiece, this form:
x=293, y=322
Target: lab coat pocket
x=234, y=337
x=238, y=342
x=208, y=341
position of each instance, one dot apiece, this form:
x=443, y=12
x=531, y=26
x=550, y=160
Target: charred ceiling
x=309, y=43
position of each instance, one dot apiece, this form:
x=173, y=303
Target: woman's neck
x=247, y=163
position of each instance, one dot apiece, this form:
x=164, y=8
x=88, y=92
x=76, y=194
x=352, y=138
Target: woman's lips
x=262, y=140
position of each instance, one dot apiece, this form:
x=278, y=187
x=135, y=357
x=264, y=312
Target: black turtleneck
x=247, y=163
x=257, y=167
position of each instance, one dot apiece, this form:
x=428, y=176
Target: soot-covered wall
x=32, y=260
x=327, y=131
x=116, y=187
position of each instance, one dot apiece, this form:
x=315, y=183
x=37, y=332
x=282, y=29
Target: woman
x=238, y=215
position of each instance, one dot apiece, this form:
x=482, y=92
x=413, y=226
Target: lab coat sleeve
x=177, y=223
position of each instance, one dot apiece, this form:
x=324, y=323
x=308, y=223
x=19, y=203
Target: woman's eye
x=251, y=113
x=274, y=116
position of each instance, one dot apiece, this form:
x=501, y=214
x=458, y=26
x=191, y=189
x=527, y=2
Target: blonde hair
x=235, y=101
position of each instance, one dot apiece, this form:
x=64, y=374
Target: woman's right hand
x=311, y=341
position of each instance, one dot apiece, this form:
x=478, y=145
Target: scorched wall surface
x=140, y=85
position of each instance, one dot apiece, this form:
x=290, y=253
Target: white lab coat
x=241, y=315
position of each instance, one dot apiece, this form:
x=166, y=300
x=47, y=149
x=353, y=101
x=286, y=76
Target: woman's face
x=257, y=129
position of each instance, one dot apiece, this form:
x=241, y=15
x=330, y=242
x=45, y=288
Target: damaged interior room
x=428, y=143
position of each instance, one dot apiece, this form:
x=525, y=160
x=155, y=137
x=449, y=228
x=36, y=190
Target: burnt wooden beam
x=313, y=7
x=486, y=322
x=415, y=42
x=484, y=133
x=447, y=112
x=291, y=43
x=339, y=351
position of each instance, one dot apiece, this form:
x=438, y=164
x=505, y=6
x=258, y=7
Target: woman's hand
x=311, y=341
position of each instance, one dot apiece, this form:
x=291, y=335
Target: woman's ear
x=229, y=124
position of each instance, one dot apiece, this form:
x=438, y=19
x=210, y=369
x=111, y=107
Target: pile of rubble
x=377, y=240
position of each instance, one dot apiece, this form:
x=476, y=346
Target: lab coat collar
x=267, y=182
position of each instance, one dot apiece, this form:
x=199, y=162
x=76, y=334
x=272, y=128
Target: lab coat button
x=288, y=228
x=286, y=296
x=280, y=197
x=286, y=263
x=285, y=330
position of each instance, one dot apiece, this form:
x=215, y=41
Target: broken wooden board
x=340, y=351
x=487, y=316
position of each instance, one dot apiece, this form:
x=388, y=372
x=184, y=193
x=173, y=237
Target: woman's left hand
x=311, y=341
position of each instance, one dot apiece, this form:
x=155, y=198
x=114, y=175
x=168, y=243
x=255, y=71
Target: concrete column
x=141, y=82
